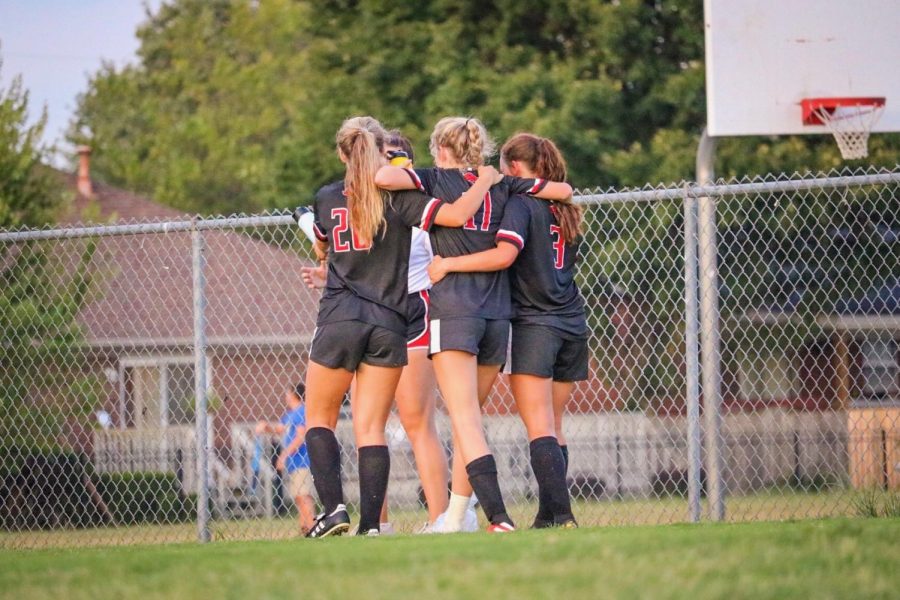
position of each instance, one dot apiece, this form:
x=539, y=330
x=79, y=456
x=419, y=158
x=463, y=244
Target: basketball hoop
x=850, y=120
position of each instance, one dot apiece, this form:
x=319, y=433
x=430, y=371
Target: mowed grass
x=771, y=505
x=840, y=558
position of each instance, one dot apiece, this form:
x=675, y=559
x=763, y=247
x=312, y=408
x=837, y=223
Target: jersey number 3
x=559, y=246
x=343, y=224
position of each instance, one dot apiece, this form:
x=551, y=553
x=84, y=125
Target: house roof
x=142, y=292
x=114, y=204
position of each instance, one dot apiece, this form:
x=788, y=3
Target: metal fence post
x=692, y=358
x=199, y=284
x=709, y=329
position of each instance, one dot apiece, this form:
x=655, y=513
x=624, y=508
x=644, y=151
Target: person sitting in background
x=293, y=461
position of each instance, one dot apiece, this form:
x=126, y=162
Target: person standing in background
x=293, y=461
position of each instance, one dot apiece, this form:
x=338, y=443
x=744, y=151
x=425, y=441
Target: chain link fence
x=137, y=358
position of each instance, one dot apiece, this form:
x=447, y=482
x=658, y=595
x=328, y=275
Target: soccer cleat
x=568, y=524
x=386, y=529
x=500, y=528
x=425, y=529
x=470, y=521
x=540, y=523
x=336, y=523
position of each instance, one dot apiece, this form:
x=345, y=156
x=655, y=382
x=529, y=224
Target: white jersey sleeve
x=420, y=256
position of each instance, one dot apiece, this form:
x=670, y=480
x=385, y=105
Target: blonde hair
x=545, y=160
x=361, y=142
x=466, y=138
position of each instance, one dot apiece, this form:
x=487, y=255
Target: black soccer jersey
x=484, y=295
x=543, y=276
x=368, y=282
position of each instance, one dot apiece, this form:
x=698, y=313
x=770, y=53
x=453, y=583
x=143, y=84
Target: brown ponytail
x=467, y=140
x=544, y=159
x=361, y=142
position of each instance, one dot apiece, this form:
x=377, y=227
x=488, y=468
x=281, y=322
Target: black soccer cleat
x=336, y=523
x=540, y=523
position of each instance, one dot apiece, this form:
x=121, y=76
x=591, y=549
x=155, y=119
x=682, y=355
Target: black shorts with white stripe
x=485, y=338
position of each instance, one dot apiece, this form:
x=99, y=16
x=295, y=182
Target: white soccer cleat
x=386, y=529
x=470, y=521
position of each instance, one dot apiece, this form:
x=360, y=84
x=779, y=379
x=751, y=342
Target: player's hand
x=314, y=277
x=261, y=427
x=281, y=462
x=490, y=172
x=437, y=270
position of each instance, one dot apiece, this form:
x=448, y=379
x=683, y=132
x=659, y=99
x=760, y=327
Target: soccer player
x=415, y=395
x=361, y=325
x=539, y=240
x=293, y=462
x=469, y=311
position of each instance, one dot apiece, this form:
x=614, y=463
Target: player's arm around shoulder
x=540, y=188
x=394, y=178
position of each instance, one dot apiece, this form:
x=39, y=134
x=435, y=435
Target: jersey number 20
x=559, y=246
x=343, y=224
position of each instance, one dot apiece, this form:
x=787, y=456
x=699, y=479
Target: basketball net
x=850, y=125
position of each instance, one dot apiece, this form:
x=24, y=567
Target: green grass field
x=840, y=558
x=771, y=505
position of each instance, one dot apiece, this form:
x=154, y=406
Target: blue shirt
x=291, y=421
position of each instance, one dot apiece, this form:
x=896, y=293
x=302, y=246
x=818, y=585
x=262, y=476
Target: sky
x=56, y=44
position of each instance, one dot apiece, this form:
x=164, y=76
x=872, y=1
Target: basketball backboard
x=763, y=57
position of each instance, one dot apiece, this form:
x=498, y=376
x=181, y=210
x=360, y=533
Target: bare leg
x=533, y=398
x=486, y=376
x=562, y=391
x=456, y=373
x=325, y=389
x=416, y=406
x=307, y=512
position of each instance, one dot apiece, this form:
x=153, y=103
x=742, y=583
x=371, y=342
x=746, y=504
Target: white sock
x=456, y=511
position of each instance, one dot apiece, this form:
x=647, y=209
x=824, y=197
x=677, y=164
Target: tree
x=233, y=105
x=40, y=292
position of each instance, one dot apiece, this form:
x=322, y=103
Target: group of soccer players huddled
x=438, y=277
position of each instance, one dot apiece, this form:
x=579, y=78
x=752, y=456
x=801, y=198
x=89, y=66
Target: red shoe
x=500, y=528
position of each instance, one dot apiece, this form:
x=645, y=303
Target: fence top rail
x=687, y=190
x=717, y=190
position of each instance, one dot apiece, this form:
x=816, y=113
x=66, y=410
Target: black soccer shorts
x=547, y=352
x=485, y=338
x=346, y=344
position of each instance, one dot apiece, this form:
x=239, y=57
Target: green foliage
x=41, y=292
x=144, y=497
x=233, y=105
x=874, y=502
x=29, y=195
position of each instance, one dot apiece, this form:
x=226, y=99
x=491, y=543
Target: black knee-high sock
x=545, y=513
x=374, y=469
x=325, y=466
x=483, y=477
x=550, y=471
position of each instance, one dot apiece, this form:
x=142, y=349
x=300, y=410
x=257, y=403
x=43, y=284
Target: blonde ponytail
x=361, y=142
x=466, y=139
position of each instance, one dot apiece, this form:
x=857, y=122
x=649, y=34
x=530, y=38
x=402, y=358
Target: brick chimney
x=84, y=172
